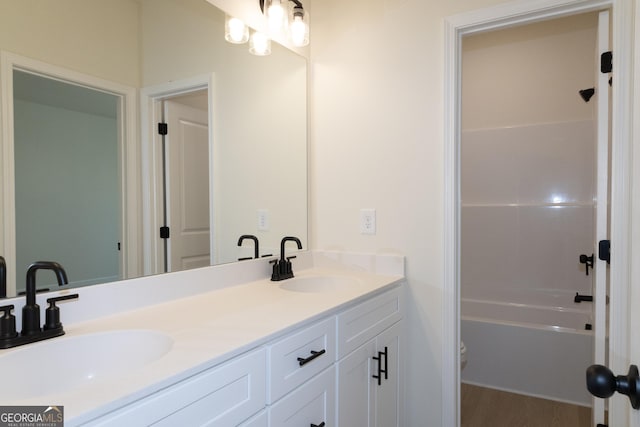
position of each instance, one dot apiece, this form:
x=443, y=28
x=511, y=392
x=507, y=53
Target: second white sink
x=61, y=364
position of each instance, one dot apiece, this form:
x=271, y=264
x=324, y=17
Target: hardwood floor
x=485, y=407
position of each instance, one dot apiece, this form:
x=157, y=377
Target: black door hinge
x=164, y=232
x=118, y=245
x=162, y=128
x=606, y=63
x=604, y=250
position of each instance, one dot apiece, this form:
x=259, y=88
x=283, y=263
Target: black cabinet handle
x=382, y=370
x=319, y=425
x=302, y=361
x=386, y=364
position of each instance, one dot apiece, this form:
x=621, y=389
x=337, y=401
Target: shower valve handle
x=587, y=261
x=602, y=383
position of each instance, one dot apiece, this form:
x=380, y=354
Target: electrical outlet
x=263, y=220
x=367, y=221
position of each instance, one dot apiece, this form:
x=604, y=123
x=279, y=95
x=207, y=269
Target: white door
x=187, y=186
x=601, y=215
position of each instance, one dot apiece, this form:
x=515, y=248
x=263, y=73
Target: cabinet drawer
x=361, y=323
x=300, y=356
x=313, y=403
x=259, y=420
x=222, y=396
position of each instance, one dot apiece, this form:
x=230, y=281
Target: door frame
x=127, y=157
x=502, y=16
x=150, y=97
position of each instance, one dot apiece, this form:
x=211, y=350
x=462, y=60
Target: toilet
x=463, y=356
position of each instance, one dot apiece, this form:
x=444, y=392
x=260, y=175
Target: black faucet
x=3, y=278
x=256, y=245
x=31, y=329
x=282, y=268
x=31, y=310
x=579, y=298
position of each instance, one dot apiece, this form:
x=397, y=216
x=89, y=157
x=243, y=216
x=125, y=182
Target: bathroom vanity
x=226, y=346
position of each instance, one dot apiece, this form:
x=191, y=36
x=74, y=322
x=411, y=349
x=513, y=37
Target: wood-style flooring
x=485, y=407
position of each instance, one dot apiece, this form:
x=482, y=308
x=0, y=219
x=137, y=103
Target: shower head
x=586, y=94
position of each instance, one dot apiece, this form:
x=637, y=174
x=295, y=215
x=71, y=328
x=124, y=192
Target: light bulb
x=235, y=31
x=299, y=33
x=260, y=44
x=276, y=16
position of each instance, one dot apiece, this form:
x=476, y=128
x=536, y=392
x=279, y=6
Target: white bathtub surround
x=527, y=212
x=211, y=314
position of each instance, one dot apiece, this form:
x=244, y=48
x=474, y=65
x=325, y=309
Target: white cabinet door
x=363, y=399
x=356, y=388
x=388, y=396
x=313, y=403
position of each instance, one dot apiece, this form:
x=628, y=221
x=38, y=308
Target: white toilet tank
x=463, y=356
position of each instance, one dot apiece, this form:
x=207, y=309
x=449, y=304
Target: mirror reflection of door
x=187, y=174
x=66, y=180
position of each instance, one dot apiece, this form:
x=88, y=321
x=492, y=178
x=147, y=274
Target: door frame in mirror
x=150, y=97
x=128, y=158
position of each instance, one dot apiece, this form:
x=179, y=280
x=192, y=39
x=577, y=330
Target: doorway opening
x=179, y=159
x=68, y=156
x=528, y=205
x=504, y=16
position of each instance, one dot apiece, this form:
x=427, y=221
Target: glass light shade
x=299, y=28
x=259, y=44
x=276, y=16
x=235, y=31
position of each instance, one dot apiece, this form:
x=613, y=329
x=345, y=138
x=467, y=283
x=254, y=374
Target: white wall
x=108, y=48
x=259, y=120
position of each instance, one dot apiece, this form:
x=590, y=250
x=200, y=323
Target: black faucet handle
x=7, y=322
x=53, y=312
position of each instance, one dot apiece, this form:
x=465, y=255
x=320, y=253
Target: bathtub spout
x=579, y=298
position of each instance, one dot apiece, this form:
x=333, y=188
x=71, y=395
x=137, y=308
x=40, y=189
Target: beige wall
x=108, y=49
x=376, y=141
x=530, y=74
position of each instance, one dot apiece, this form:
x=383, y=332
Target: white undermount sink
x=63, y=363
x=319, y=284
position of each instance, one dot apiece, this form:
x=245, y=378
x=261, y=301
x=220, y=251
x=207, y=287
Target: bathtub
x=528, y=349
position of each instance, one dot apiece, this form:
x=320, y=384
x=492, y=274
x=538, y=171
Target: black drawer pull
x=314, y=354
x=319, y=425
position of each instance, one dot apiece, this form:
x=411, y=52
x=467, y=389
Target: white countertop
x=207, y=328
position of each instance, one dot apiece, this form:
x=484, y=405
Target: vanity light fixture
x=299, y=28
x=292, y=20
x=276, y=15
x=286, y=17
x=235, y=31
x=259, y=44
